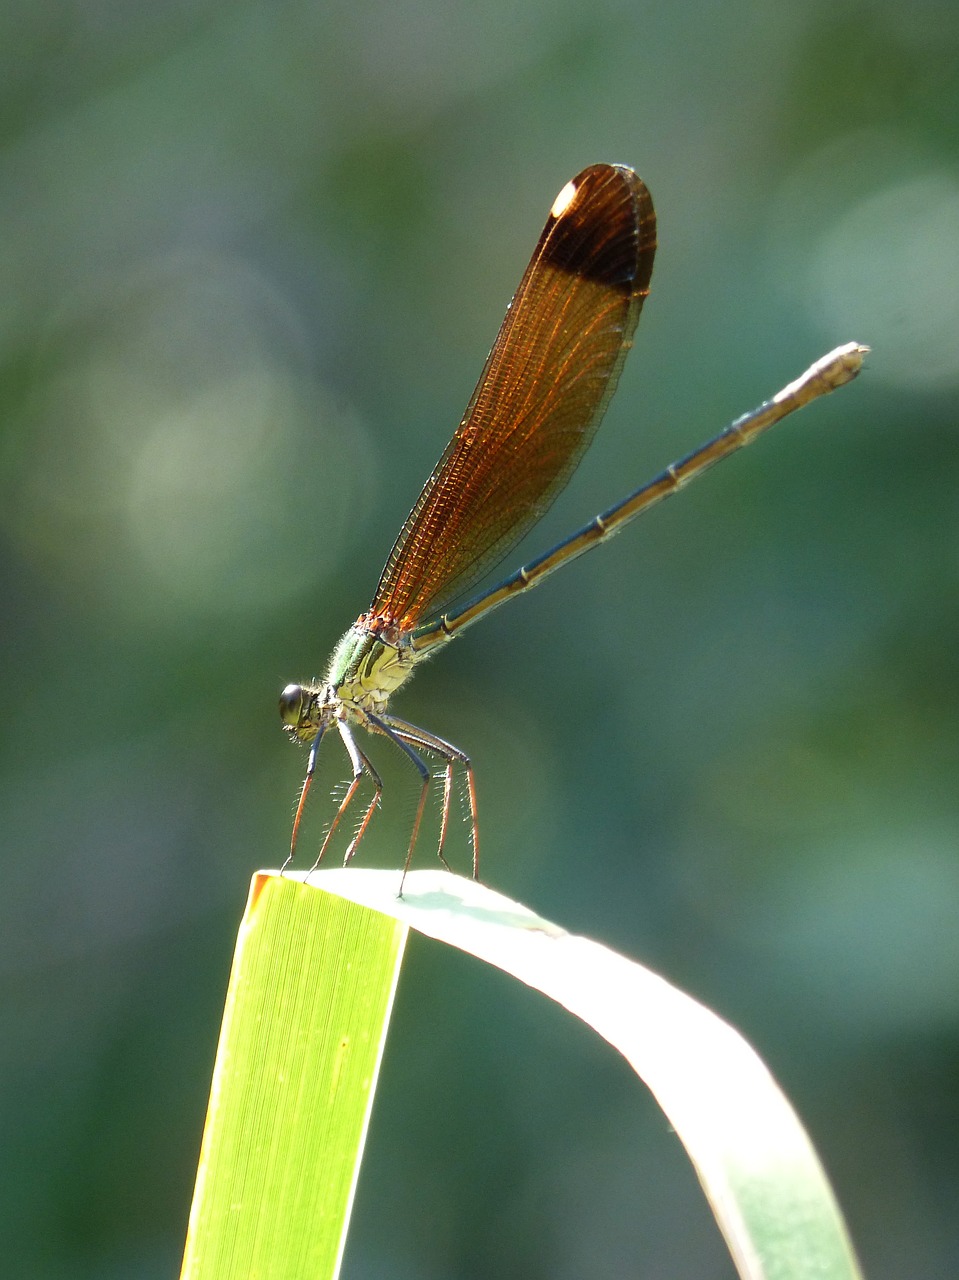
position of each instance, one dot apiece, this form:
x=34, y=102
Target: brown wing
x=539, y=400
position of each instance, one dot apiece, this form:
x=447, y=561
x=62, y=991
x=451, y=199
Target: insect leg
x=361, y=766
x=415, y=736
x=304, y=792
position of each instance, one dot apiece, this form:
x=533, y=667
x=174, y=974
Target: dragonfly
x=540, y=398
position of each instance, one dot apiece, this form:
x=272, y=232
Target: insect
x=537, y=405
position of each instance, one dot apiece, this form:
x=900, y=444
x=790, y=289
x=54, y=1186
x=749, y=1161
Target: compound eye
x=291, y=704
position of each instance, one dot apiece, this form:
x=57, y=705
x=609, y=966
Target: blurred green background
x=252, y=258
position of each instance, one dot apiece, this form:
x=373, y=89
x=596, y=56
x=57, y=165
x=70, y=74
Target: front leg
x=361, y=766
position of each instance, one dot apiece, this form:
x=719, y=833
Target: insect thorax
x=365, y=669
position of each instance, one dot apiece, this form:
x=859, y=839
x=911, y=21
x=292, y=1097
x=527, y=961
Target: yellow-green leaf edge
x=302, y=1037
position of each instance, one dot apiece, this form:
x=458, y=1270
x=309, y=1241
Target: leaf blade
x=304, y=1025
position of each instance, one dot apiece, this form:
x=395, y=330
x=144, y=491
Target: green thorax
x=365, y=671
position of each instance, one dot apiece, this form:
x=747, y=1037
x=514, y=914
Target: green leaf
x=763, y=1180
x=306, y=1014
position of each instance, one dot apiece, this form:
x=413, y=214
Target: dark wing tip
x=602, y=227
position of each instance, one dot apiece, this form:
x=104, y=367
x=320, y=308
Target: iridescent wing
x=539, y=400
